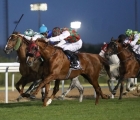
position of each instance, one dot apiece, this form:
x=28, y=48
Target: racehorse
x=19, y=43
x=129, y=66
x=114, y=70
x=74, y=83
x=57, y=67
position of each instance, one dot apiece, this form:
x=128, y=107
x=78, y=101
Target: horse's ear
x=112, y=39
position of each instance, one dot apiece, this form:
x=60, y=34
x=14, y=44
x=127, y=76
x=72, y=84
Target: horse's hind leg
x=98, y=90
x=80, y=88
x=71, y=86
x=74, y=83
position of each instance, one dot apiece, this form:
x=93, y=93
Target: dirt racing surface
x=73, y=94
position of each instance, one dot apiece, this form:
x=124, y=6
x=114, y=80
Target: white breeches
x=136, y=49
x=102, y=53
x=72, y=46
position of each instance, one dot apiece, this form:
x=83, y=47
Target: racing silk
x=36, y=35
x=103, y=50
x=69, y=35
x=136, y=38
x=134, y=43
x=74, y=36
x=104, y=47
x=127, y=41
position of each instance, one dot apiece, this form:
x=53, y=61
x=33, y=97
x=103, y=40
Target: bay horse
x=114, y=70
x=129, y=66
x=19, y=43
x=57, y=67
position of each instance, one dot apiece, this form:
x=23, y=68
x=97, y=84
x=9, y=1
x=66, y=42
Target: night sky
x=100, y=19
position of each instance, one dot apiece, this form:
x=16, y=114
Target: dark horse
x=129, y=66
x=56, y=67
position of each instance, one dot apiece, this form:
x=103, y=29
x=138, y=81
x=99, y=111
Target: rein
x=52, y=46
x=129, y=58
x=19, y=41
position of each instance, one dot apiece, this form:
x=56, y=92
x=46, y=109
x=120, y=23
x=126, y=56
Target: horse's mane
x=120, y=41
x=16, y=33
x=43, y=40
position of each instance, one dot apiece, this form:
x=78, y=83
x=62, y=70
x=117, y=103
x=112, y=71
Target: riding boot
x=73, y=58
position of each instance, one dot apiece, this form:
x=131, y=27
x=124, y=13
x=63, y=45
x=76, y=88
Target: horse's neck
x=36, y=65
x=46, y=51
x=21, y=52
x=123, y=53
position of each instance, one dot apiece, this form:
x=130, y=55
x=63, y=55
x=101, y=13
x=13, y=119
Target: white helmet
x=29, y=32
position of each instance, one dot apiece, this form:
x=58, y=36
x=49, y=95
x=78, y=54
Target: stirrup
x=77, y=66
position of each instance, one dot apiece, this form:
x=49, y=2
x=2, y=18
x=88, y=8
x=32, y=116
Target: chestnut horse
x=57, y=66
x=19, y=43
x=129, y=66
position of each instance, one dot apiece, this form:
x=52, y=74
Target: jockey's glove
x=60, y=43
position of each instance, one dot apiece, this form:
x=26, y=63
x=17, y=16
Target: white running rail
x=13, y=68
x=6, y=68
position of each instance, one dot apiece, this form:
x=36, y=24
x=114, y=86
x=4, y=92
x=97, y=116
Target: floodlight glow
x=75, y=24
x=38, y=6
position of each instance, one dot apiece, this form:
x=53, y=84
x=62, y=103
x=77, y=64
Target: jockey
x=103, y=49
x=69, y=41
x=43, y=33
x=133, y=38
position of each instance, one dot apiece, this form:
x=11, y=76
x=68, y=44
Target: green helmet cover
x=128, y=32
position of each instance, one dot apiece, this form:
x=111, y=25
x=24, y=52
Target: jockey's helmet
x=56, y=31
x=135, y=32
x=128, y=32
x=43, y=29
x=29, y=32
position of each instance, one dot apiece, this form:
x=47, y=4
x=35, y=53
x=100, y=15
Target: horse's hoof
x=32, y=96
x=114, y=92
x=109, y=96
x=60, y=98
x=25, y=95
x=49, y=102
x=18, y=99
x=42, y=99
x=125, y=93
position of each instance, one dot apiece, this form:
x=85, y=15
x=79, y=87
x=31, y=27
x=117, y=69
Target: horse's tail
x=105, y=65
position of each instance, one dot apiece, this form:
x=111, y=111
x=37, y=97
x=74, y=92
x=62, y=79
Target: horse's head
x=13, y=43
x=112, y=48
x=32, y=53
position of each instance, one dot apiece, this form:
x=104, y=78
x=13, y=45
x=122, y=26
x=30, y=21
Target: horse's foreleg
x=121, y=89
x=47, y=87
x=116, y=87
x=55, y=90
x=17, y=85
x=108, y=82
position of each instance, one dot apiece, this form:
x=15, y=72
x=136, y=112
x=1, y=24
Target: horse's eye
x=14, y=39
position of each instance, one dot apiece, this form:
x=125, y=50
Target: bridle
x=115, y=51
x=32, y=51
